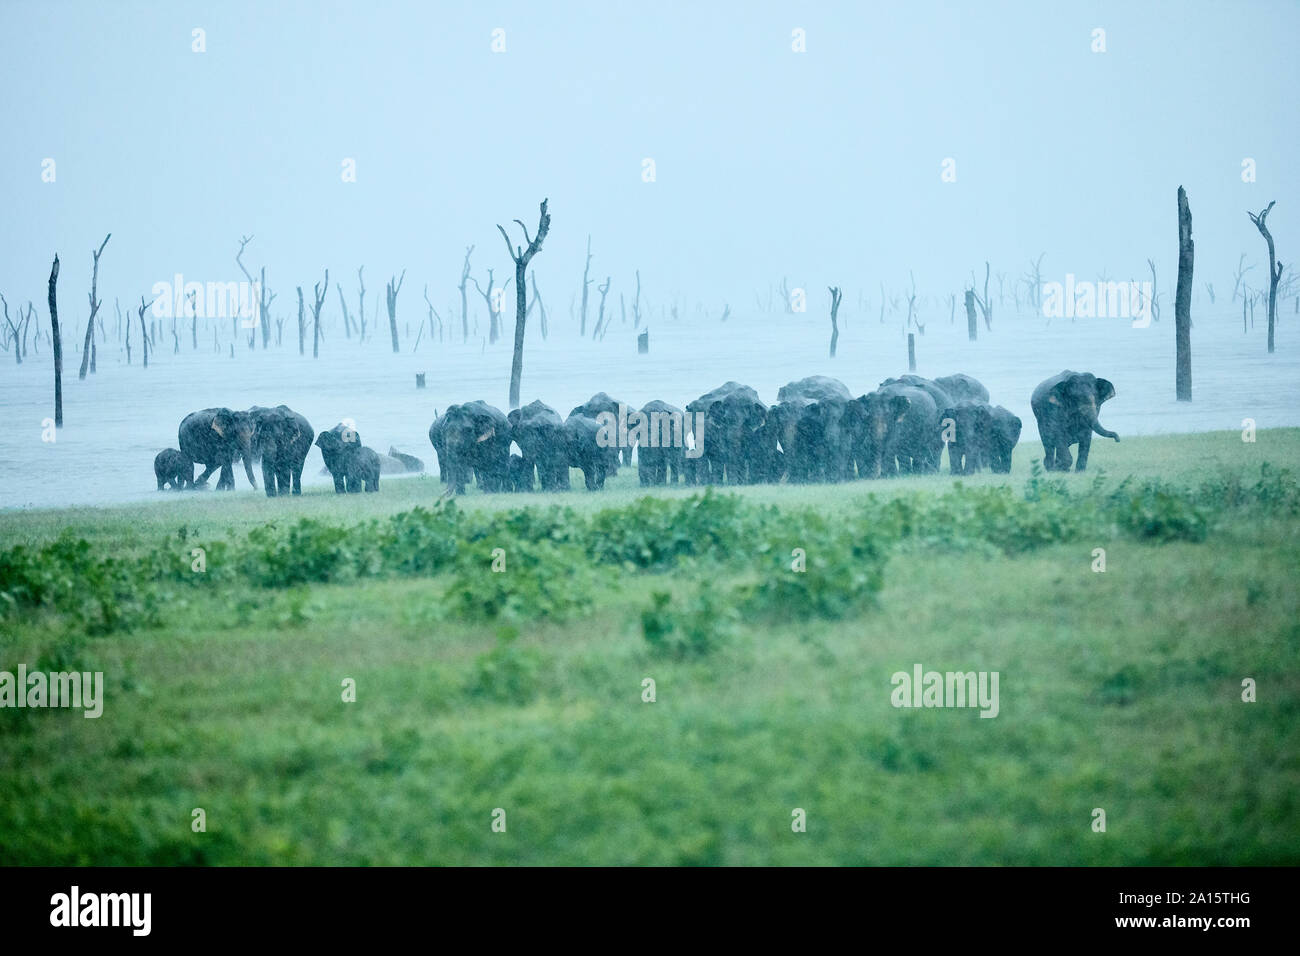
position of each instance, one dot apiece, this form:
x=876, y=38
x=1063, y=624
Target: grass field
x=524, y=690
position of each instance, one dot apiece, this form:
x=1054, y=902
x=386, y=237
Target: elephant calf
x=351, y=464
x=170, y=467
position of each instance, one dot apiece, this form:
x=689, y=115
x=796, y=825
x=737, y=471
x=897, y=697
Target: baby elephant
x=173, y=468
x=350, y=463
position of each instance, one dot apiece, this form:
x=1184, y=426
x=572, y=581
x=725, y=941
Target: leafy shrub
x=704, y=623
x=540, y=580
x=507, y=673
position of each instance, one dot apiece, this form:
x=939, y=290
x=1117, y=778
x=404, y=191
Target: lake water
x=117, y=420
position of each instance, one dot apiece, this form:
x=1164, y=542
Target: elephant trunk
x=1103, y=432
x=246, y=452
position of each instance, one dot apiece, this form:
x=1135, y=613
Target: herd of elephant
x=279, y=437
x=816, y=431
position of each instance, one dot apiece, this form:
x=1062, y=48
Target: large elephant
x=281, y=438
x=215, y=438
x=963, y=388
x=662, y=460
x=539, y=432
x=899, y=431
x=171, y=467
x=351, y=465
x=600, y=404
x=475, y=439
x=586, y=450
x=737, y=448
x=816, y=428
x=437, y=433
x=1066, y=406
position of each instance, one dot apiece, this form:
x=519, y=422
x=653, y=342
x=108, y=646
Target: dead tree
x=1033, y=279
x=972, y=327
x=127, y=341
x=464, y=302
x=1155, y=295
x=636, y=303
x=522, y=256
x=1274, y=267
x=493, y=314
x=1183, y=302
x=952, y=308
x=1209, y=288
x=144, y=307
x=319, y=292
x=343, y=304
x=785, y=296
x=263, y=303
x=302, y=327
x=432, y=315
x=537, y=301
x=986, y=305
x=394, y=287
x=58, y=345
x=88, y=347
x=911, y=301
x=13, y=331
x=361, y=305
x=586, y=285
x=600, y=315
x=835, y=317
x=1238, y=275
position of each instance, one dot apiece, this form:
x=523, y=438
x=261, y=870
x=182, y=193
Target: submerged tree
x=88, y=348
x=522, y=256
x=835, y=312
x=1274, y=267
x=1183, y=302
x=58, y=345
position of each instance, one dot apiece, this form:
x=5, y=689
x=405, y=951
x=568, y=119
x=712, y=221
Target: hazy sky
x=822, y=165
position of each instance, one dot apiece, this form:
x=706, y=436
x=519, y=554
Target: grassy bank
x=523, y=690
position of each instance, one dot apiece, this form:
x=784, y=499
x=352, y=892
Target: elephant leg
x=1049, y=454
x=268, y=478
x=296, y=477
x=203, y=478
x=1063, y=457
x=1085, y=443
x=226, y=480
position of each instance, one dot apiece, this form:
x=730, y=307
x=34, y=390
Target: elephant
x=587, y=452
x=1066, y=406
x=519, y=473
x=439, y=443
x=594, y=407
x=351, y=464
x=814, y=424
x=215, y=438
x=281, y=438
x=737, y=448
x=662, y=460
x=962, y=388
x=1004, y=433
x=941, y=396
x=899, y=430
x=410, y=464
x=171, y=467
x=475, y=439
x=539, y=432
x=965, y=427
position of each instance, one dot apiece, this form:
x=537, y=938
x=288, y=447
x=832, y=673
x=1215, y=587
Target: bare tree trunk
x=1183, y=302
x=600, y=316
x=13, y=331
x=972, y=329
x=88, y=348
x=343, y=304
x=1274, y=269
x=586, y=284
x=522, y=256
x=319, y=292
x=302, y=328
x=143, y=333
x=636, y=303
x=58, y=345
x=911, y=351
x=835, y=311
x=361, y=305
x=394, y=287
x=464, y=300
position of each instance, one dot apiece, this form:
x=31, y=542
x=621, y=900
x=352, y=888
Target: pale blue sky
x=823, y=166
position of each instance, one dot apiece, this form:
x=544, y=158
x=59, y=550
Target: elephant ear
x=1057, y=393
x=898, y=406
x=1105, y=390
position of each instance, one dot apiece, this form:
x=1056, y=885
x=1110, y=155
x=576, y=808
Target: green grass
x=1119, y=690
